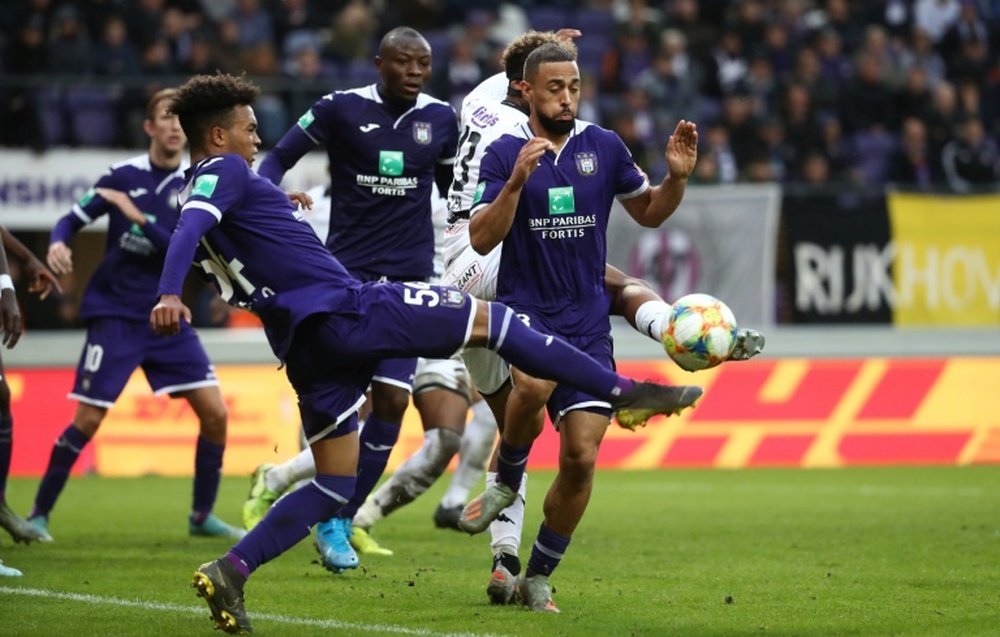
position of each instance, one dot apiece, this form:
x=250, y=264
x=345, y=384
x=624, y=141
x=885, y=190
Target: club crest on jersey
x=390, y=162
x=452, y=298
x=561, y=201
x=586, y=163
x=422, y=132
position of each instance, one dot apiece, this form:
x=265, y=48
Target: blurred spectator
x=867, y=100
x=353, y=32
x=914, y=100
x=144, y=19
x=935, y=16
x=25, y=57
x=717, y=145
x=943, y=118
x=69, y=47
x=728, y=65
x=971, y=161
x=912, y=165
x=115, y=54
x=921, y=53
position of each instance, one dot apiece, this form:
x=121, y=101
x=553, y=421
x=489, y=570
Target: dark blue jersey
x=552, y=263
x=124, y=284
x=382, y=167
x=260, y=252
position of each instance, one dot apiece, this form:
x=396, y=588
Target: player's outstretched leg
x=644, y=400
x=748, y=343
x=17, y=526
x=221, y=586
x=333, y=544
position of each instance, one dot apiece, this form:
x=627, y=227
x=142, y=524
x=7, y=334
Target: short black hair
x=544, y=54
x=205, y=101
x=397, y=34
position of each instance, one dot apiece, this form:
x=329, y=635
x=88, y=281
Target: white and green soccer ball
x=701, y=332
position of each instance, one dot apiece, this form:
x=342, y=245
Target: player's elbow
x=480, y=239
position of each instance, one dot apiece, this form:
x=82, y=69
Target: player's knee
x=212, y=420
x=390, y=403
x=534, y=390
x=88, y=419
x=578, y=461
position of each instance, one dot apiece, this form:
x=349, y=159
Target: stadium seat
x=53, y=116
x=872, y=150
x=93, y=113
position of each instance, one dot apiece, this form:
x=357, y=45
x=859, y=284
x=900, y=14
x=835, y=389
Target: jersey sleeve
x=218, y=187
x=450, y=146
x=312, y=128
x=87, y=209
x=493, y=174
x=630, y=181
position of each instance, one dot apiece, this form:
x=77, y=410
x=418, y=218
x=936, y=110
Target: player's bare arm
x=166, y=317
x=41, y=280
x=490, y=225
x=123, y=202
x=654, y=206
x=10, y=314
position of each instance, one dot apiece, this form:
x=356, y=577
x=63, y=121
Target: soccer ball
x=701, y=332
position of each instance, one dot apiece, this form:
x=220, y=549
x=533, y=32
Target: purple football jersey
x=382, y=167
x=262, y=254
x=124, y=284
x=552, y=263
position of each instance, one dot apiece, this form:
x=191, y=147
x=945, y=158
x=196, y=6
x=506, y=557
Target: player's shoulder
x=228, y=164
x=432, y=105
x=132, y=164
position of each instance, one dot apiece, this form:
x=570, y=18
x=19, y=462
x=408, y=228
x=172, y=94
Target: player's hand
x=123, y=202
x=682, y=150
x=303, y=200
x=10, y=319
x=42, y=280
x=60, y=258
x=166, y=317
x=568, y=35
x=527, y=160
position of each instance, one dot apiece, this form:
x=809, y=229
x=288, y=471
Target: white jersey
x=484, y=118
x=439, y=217
x=319, y=215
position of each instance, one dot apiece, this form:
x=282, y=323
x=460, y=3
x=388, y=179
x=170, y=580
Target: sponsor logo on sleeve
x=204, y=185
x=306, y=119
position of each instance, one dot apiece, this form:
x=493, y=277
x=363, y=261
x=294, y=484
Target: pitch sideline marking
x=199, y=610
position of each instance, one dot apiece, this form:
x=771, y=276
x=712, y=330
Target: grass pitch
x=753, y=552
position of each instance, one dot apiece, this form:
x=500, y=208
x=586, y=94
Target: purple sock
x=511, y=462
x=207, y=473
x=550, y=357
x=6, y=443
x=64, y=453
x=289, y=521
x=548, y=550
x=377, y=439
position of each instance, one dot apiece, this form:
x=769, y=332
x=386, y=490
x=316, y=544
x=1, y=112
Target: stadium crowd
x=865, y=92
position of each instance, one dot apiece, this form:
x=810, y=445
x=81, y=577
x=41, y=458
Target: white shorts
x=447, y=373
x=471, y=272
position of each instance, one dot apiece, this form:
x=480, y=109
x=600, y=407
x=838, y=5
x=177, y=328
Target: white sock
x=477, y=445
x=651, y=318
x=282, y=476
x=505, y=531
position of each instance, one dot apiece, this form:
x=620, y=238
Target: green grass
x=797, y=552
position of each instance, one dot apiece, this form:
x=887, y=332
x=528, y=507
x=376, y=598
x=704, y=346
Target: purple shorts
x=567, y=398
x=116, y=347
x=333, y=357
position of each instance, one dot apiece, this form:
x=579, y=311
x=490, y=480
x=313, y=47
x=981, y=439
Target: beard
x=556, y=126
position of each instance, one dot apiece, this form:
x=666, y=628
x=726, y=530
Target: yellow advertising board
x=946, y=265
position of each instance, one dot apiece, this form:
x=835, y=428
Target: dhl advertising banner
x=946, y=265
x=781, y=412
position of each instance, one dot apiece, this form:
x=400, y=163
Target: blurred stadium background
x=846, y=202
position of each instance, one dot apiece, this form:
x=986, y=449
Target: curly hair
x=205, y=101
x=517, y=51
